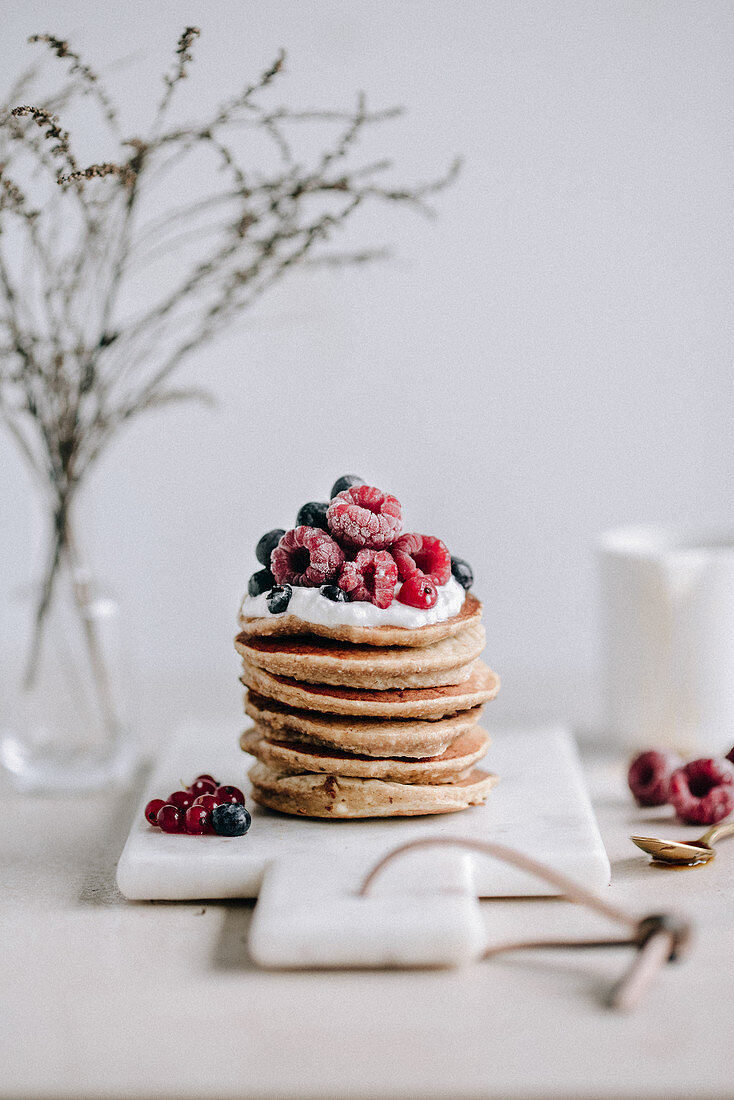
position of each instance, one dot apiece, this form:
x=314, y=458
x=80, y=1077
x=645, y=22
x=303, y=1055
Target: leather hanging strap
x=658, y=938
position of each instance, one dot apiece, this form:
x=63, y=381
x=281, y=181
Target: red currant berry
x=202, y=786
x=418, y=591
x=171, y=818
x=229, y=794
x=198, y=820
x=182, y=799
x=205, y=775
x=208, y=801
x=151, y=810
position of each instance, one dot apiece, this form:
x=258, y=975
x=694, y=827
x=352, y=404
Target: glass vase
x=64, y=726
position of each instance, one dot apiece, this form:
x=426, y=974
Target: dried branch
x=76, y=365
x=79, y=69
x=184, y=56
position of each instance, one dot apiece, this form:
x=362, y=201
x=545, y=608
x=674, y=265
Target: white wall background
x=551, y=357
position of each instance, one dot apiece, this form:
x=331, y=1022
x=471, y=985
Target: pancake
x=340, y=797
x=288, y=756
x=426, y=702
x=328, y=661
x=413, y=737
x=470, y=612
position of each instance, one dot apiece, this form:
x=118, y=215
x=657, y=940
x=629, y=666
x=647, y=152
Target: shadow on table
x=560, y=975
x=230, y=952
x=99, y=885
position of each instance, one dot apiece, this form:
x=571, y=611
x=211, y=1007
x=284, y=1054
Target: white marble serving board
x=540, y=807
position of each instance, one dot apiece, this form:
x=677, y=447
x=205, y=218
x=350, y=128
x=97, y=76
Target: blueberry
x=267, y=544
x=313, y=514
x=231, y=819
x=278, y=598
x=334, y=592
x=260, y=582
x=345, y=482
x=463, y=572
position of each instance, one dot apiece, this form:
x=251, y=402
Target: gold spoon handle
x=718, y=832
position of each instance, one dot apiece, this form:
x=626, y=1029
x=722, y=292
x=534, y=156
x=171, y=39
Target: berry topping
x=372, y=576
x=151, y=810
x=346, y=482
x=208, y=801
x=649, y=776
x=278, y=598
x=260, y=582
x=365, y=516
x=313, y=514
x=190, y=811
x=267, y=544
x=422, y=554
x=203, y=785
x=229, y=794
x=197, y=820
x=307, y=556
x=334, y=592
x=702, y=792
x=171, y=818
x=418, y=591
x=182, y=799
x=231, y=819
x=462, y=572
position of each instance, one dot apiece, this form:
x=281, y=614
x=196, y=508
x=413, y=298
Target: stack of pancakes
x=366, y=721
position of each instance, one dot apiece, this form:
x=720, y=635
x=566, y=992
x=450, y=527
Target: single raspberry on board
x=422, y=554
x=702, y=792
x=649, y=776
x=306, y=556
x=365, y=516
x=372, y=576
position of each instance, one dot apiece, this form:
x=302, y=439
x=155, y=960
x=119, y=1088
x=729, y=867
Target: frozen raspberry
x=422, y=554
x=365, y=516
x=418, y=591
x=649, y=776
x=703, y=791
x=372, y=576
x=306, y=556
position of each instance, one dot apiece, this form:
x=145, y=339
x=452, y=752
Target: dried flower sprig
x=77, y=361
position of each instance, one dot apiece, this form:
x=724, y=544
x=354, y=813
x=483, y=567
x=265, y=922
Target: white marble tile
x=540, y=807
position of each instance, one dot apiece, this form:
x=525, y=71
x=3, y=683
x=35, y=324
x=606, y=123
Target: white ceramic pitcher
x=668, y=636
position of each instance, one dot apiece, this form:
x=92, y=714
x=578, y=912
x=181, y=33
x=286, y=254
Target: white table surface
x=105, y=998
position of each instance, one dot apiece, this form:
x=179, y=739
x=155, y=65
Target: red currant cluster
x=206, y=806
x=701, y=792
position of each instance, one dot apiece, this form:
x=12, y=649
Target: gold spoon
x=682, y=851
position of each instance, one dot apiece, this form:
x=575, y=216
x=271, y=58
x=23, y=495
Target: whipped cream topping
x=309, y=605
